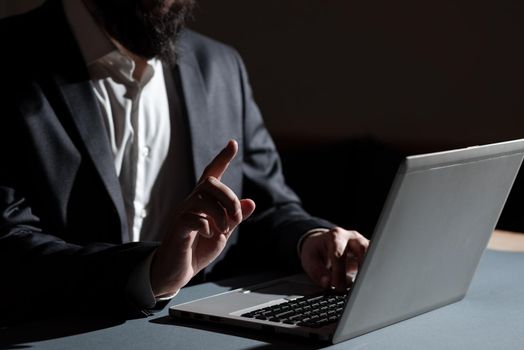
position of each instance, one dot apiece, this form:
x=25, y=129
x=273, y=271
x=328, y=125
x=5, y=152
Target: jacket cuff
x=293, y=234
x=138, y=288
x=306, y=235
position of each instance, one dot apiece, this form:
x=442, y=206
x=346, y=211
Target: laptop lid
x=436, y=222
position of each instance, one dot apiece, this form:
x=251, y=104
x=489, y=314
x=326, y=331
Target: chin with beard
x=147, y=28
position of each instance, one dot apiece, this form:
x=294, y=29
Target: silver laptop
x=435, y=224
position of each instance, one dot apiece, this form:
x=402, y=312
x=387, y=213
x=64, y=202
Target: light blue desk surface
x=490, y=317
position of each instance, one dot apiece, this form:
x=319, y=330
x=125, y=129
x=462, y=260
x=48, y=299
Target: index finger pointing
x=219, y=164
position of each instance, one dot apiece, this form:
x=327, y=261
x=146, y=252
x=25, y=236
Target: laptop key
x=311, y=299
x=285, y=314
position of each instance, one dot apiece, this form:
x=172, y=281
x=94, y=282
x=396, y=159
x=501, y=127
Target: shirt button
x=146, y=151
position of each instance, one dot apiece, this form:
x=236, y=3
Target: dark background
x=346, y=86
x=409, y=72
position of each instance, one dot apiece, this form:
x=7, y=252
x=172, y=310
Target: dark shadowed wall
x=407, y=71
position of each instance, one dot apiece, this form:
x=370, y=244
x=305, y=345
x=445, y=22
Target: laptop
x=434, y=226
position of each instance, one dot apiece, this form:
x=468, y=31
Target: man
x=110, y=135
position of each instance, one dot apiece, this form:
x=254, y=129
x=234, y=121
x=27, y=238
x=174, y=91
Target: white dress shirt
x=137, y=120
x=138, y=125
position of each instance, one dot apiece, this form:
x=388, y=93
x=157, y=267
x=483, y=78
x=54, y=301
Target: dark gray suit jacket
x=63, y=232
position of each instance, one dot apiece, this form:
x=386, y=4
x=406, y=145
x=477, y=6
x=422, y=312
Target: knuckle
x=356, y=234
x=338, y=238
x=210, y=180
x=232, y=201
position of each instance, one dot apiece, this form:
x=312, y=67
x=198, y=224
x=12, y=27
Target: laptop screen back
x=440, y=213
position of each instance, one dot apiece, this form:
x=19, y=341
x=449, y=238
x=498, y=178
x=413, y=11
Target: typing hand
x=332, y=257
x=201, y=228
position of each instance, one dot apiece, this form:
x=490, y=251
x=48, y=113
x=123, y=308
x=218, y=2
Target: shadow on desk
x=276, y=341
x=21, y=336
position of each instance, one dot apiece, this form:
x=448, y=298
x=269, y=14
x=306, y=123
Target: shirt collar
x=96, y=46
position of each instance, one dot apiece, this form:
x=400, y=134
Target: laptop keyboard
x=309, y=311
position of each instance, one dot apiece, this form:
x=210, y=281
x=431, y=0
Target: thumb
x=316, y=268
x=248, y=207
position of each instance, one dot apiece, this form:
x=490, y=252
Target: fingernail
x=350, y=276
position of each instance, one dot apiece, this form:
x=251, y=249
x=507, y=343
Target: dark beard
x=145, y=31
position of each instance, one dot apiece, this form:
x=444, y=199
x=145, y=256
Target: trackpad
x=251, y=297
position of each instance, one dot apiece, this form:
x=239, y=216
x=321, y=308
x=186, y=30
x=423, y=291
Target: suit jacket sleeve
x=279, y=220
x=41, y=272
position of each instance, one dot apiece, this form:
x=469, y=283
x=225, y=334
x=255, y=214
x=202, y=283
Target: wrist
x=308, y=234
x=164, y=281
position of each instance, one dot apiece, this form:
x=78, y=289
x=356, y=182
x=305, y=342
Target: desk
x=490, y=317
x=507, y=241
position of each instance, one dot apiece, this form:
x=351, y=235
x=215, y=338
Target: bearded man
x=131, y=150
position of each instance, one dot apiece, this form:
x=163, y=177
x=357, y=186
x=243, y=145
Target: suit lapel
x=71, y=80
x=194, y=95
x=89, y=124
